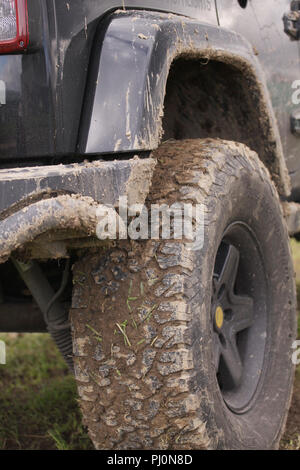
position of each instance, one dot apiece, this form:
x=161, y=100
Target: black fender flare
x=128, y=75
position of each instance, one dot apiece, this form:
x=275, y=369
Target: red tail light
x=14, y=35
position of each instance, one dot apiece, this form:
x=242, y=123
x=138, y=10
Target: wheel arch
x=137, y=69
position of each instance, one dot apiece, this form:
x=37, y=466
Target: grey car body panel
x=102, y=181
x=45, y=87
x=261, y=23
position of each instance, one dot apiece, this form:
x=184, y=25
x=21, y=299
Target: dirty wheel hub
x=238, y=326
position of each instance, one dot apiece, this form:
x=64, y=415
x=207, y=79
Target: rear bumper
x=36, y=200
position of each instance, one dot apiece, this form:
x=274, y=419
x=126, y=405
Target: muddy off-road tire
x=183, y=349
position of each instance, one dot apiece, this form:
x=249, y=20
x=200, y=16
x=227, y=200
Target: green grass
x=38, y=401
x=291, y=439
x=296, y=257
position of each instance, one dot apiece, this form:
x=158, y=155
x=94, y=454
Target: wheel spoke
x=229, y=271
x=217, y=350
x=243, y=313
x=239, y=328
x=232, y=361
x=215, y=284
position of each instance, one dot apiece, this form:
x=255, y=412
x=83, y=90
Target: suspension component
x=55, y=316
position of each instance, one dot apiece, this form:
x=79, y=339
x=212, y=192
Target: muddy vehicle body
x=161, y=102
